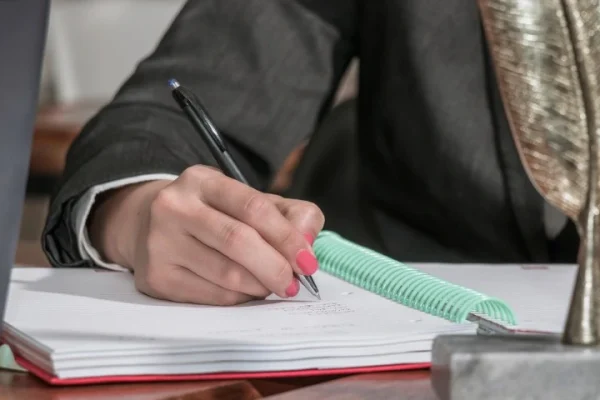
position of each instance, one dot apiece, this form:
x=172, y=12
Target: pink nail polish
x=309, y=238
x=293, y=289
x=307, y=262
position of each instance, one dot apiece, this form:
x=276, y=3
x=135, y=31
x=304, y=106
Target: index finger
x=307, y=217
x=258, y=211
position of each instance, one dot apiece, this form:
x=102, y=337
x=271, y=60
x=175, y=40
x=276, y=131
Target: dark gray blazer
x=435, y=173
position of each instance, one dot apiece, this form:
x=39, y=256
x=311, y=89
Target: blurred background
x=92, y=47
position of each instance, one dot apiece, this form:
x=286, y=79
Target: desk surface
x=399, y=385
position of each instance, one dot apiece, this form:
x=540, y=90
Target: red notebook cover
x=53, y=380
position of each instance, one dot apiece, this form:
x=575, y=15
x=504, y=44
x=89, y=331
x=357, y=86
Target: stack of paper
x=74, y=323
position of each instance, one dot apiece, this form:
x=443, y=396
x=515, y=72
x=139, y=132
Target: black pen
x=201, y=121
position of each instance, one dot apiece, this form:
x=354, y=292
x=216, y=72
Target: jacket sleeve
x=265, y=70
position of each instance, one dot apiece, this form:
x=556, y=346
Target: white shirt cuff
x=82, y=209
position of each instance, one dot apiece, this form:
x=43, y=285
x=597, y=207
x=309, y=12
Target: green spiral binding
x=389, y=278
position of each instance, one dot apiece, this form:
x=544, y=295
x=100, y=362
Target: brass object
x=547, y=59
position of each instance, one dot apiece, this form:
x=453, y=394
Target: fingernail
x=293, y=289
x=307, y=262
x=309, y=238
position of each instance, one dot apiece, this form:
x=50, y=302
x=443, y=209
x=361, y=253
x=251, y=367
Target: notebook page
x=74, y=311
x=538, y=294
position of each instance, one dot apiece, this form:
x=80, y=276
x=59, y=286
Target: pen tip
x=318, y=296
x=173, y=83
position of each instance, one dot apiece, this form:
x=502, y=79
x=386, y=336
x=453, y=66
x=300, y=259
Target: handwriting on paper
x=323, y=308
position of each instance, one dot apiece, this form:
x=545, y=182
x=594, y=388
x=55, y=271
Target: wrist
x=118, y=218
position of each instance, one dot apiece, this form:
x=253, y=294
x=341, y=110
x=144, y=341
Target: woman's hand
x=208, y=239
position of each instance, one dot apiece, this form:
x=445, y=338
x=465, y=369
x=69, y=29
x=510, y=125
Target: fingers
x=213, y=266
x=243, y=245
x=256, y=210
x=305, y=216
x=244, y=240
x=183, y=286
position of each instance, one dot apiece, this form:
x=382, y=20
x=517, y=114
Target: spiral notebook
x=77, y=326
x=499, y=299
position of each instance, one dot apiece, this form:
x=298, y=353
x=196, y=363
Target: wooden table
x=399, y=385
x=29, y=252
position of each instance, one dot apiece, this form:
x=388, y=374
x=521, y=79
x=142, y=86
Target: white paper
x=538, y=294
x=75, y=320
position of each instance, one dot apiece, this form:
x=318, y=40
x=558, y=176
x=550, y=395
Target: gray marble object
x=479, y=367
